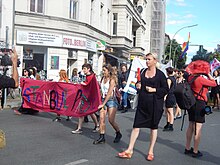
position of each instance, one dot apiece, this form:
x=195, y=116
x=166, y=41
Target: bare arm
x=109, y=94
x=14, y=59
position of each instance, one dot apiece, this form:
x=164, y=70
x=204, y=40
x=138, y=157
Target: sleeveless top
x=173, y=84
x=104, y=88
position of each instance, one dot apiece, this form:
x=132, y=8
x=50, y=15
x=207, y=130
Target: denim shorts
x=111, y=103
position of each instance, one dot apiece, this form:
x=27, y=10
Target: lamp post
x=175, y=35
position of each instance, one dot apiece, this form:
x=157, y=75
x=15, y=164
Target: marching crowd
x=155, y=93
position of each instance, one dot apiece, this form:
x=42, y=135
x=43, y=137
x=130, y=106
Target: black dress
x=171, y=99
x=150, y=105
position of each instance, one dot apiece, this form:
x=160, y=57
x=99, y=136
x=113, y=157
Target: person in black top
x=152, y=89
x=11, y=82
x=123, y=78
x=170, y=100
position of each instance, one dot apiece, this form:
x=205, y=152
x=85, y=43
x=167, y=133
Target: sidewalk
x=13, y=103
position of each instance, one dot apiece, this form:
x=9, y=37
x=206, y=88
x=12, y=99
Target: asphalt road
x=37, y=140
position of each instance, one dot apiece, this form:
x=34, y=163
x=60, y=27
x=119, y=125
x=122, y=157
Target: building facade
x=55, y=34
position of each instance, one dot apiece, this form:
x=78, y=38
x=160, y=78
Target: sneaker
x=169, y=128
x=68, y=118
x=17, y=112
x=179, y=117
x=57, y=119
x=188, y=152
x=117, y=137
x=166, y=126
x=197, y=155
x=78, y=131
x=96, y=129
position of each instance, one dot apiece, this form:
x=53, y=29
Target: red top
x=197, y=85
x=89, y=78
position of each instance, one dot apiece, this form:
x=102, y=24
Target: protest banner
x=61, y=98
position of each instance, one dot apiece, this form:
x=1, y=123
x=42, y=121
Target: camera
x=207, y=110
x=5, y=59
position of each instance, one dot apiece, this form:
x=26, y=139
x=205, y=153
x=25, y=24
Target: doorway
x=37, y=61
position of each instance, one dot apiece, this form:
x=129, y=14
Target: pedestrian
x=25, y=73
x=179, y=80
x=152, y=89
x=31, y=71
x=62, y=78
x=75, y=76
x=89, y=75
x=170, y=99
x=123, y=78
x=21, y=110
x=109, y=104
x=215, y=90
x=196, y=113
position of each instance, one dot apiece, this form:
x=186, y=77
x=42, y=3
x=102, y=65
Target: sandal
x=125, y=155
x=150, y=157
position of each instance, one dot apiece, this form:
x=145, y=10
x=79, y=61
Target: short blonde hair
x=155, y=56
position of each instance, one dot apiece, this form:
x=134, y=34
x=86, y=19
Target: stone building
x=57, y=34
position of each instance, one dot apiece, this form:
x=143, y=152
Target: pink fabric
x=62, y=98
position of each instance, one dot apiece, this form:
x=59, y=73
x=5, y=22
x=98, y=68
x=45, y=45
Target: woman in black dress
x=153, y=87
x=170, y=99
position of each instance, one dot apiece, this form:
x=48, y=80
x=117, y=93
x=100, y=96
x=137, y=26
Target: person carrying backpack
x=196, y=113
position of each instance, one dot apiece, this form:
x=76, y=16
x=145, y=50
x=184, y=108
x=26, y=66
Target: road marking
x=214, y=124
x=77, y=162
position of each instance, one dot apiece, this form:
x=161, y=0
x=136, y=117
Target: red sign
x=62, y=98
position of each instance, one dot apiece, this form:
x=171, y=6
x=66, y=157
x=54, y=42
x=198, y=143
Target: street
x=37, y=140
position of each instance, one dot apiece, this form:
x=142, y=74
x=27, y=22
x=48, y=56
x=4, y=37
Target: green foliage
x=175, y=54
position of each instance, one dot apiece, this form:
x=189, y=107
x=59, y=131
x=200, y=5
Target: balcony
x=121, y=42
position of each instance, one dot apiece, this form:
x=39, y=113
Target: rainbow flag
x=132, y=85
x=185, y=47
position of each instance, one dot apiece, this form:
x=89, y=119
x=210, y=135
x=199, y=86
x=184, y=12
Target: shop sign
x=39, y=38
x=91, y=45
x=74, y=42
x=100, y=45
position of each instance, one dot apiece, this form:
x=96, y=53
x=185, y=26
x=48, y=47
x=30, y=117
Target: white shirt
x=104, y=88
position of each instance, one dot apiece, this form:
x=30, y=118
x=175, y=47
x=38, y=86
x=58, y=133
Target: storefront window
x=54, y=62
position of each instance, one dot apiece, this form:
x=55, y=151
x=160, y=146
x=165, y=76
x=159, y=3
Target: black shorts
x=170, y=101
x=196, y=112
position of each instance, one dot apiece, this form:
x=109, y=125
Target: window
x=73, y=9
x=134, y=38
x=37, y=6
x=101, y=16
x=108, y=21
x=115, y=19
x=92, y=12
x=0, y=13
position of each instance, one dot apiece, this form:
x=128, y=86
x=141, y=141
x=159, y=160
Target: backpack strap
x=190, y=82
x=198, y=94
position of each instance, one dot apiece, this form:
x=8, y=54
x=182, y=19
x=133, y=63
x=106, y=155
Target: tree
x=175, y=54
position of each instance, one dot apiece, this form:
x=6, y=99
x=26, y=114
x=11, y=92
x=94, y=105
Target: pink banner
x=62, y=98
